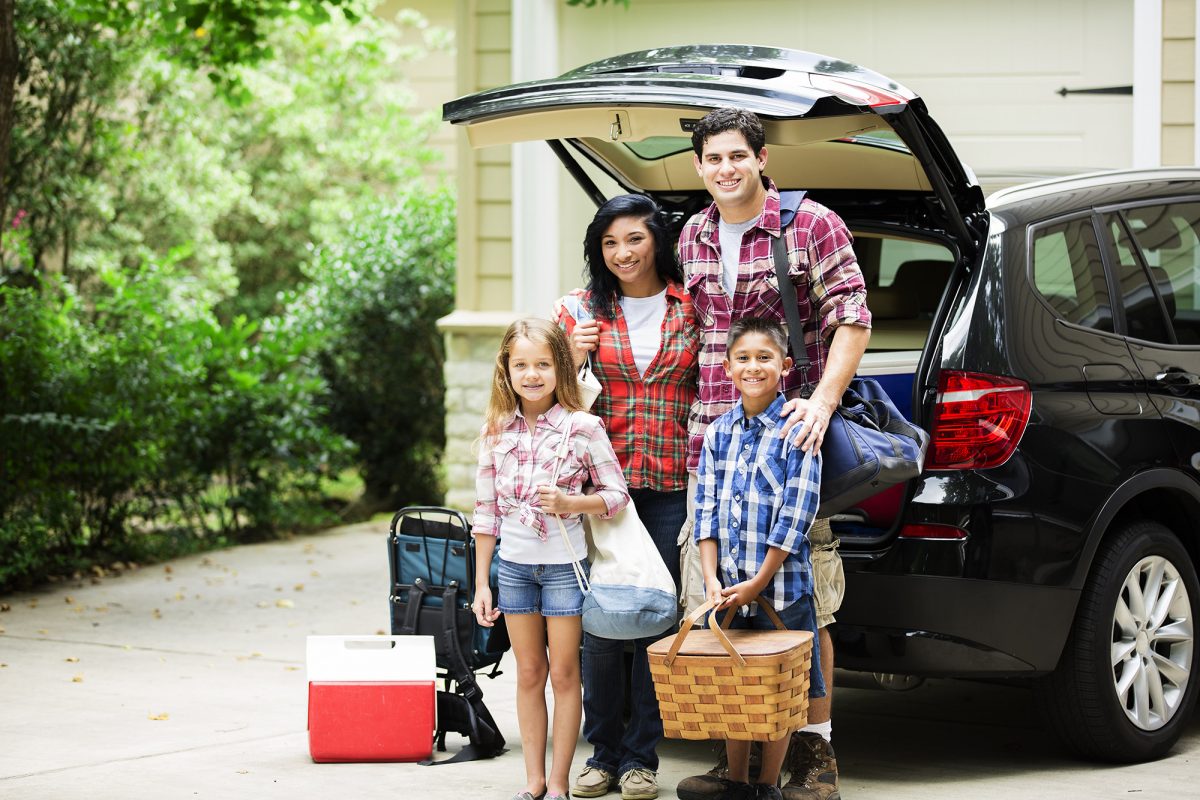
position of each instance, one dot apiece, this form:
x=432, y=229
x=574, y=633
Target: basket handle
x=686, y=625
x=715, y=625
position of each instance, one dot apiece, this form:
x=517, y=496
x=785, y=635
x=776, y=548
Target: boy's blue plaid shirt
x=755, y=491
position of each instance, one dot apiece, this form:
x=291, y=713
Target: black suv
x=1049, y=340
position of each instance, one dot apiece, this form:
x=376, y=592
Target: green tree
x=378, y=291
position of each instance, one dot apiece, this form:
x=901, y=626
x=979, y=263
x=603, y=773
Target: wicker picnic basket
x=740, y=684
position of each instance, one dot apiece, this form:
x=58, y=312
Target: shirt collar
x=770, y=418
x=676, y=291
x=555, y=417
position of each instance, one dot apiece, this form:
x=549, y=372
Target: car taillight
x=977, y=421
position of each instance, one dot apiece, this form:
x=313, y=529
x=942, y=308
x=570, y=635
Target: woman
x=635, y=322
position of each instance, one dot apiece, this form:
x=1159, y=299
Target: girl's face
x=628, y=248
x=531, y=370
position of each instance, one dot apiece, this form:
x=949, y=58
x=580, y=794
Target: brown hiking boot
x=715, y=783
x=814, y=769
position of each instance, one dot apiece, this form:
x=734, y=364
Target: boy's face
x=731, y=171
x=755, y=365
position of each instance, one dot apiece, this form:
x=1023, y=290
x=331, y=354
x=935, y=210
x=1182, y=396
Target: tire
x=1126, y=684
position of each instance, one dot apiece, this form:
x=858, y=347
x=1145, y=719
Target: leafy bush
x=378, y=292
x=144, y=415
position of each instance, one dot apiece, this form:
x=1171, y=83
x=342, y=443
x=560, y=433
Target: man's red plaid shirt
x=829, y=287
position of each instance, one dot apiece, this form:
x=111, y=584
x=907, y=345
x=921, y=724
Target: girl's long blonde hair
x=503, y=402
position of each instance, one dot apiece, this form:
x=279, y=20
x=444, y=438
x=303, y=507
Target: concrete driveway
x=187, y=680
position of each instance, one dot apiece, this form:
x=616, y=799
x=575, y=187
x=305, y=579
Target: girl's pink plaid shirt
x=512, y=466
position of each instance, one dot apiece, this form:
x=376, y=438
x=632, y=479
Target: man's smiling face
x=732, y=174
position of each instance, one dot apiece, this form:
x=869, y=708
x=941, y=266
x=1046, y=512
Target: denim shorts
x=799, y=616
x=546, y=589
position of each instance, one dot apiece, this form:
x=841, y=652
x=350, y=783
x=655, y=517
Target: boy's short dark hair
x=768, y=327
x=720, y=120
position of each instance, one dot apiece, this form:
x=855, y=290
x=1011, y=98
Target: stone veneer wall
x=472, y=338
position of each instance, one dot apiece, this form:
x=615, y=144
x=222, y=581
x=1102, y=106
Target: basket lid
x=703, y=642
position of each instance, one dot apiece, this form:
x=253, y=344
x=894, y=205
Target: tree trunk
x=8, y=85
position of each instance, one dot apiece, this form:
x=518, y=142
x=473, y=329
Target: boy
x=756, y=498
x=726, y=251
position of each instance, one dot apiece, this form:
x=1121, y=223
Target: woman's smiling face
x=628, y=248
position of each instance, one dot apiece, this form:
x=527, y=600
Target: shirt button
x=734, y=524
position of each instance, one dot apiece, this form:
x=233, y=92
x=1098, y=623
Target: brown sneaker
x=814, y=769
x=715, y=783
x=593, y=782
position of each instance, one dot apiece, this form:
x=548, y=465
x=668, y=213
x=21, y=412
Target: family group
x=704, y=423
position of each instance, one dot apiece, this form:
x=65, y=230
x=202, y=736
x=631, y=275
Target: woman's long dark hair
x=604, y=287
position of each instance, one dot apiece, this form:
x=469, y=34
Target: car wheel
x=1125, y=686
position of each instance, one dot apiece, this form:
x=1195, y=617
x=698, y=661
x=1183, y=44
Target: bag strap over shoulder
x=789, y=203
x=581, y=577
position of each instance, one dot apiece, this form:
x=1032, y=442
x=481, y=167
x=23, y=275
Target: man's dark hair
x=765, y=325
x=720, y=120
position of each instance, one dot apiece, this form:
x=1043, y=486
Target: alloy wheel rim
x=1153, y=641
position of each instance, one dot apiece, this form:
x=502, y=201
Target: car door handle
x=1177, y=378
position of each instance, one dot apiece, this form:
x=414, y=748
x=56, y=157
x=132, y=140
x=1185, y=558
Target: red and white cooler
x=371, y=698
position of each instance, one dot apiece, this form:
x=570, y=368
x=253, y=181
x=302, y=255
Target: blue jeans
x=618, y=747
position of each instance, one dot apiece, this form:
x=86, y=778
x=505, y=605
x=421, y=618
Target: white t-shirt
x=644, y=318
x=731, y=250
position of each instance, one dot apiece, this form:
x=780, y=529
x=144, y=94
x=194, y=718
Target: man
x=726, y=255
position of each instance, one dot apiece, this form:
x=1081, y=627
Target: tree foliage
x=378, y=291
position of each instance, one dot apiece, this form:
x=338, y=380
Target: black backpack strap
x=412, y=608
x=789, y=202
x=463, y=708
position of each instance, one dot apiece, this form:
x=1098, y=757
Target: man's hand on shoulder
x=808, y=418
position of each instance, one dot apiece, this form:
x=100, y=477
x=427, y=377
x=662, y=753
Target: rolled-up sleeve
x=801, y=496
x=608, y=479
x=486, y=521
x=838, y=290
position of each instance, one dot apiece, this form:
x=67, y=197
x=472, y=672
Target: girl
x=534, y=404
x=636, y=321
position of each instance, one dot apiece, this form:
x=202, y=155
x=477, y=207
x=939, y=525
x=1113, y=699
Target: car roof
x=1108, y=186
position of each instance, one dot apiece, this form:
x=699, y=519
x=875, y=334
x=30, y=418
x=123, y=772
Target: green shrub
x=378, y=291
x=144, y=416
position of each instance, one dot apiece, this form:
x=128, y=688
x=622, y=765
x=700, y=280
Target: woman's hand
x=485, y=615
x=584, y=339
x=554, y=500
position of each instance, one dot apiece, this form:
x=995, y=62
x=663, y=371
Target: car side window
x=1167, y=237
x=1069, y=273
x=1143, y=312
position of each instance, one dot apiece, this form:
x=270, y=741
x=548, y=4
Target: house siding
x=1179, y=83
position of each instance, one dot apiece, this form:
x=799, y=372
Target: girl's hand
x=553, y=500
x=584, y=338
x=485, y=615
